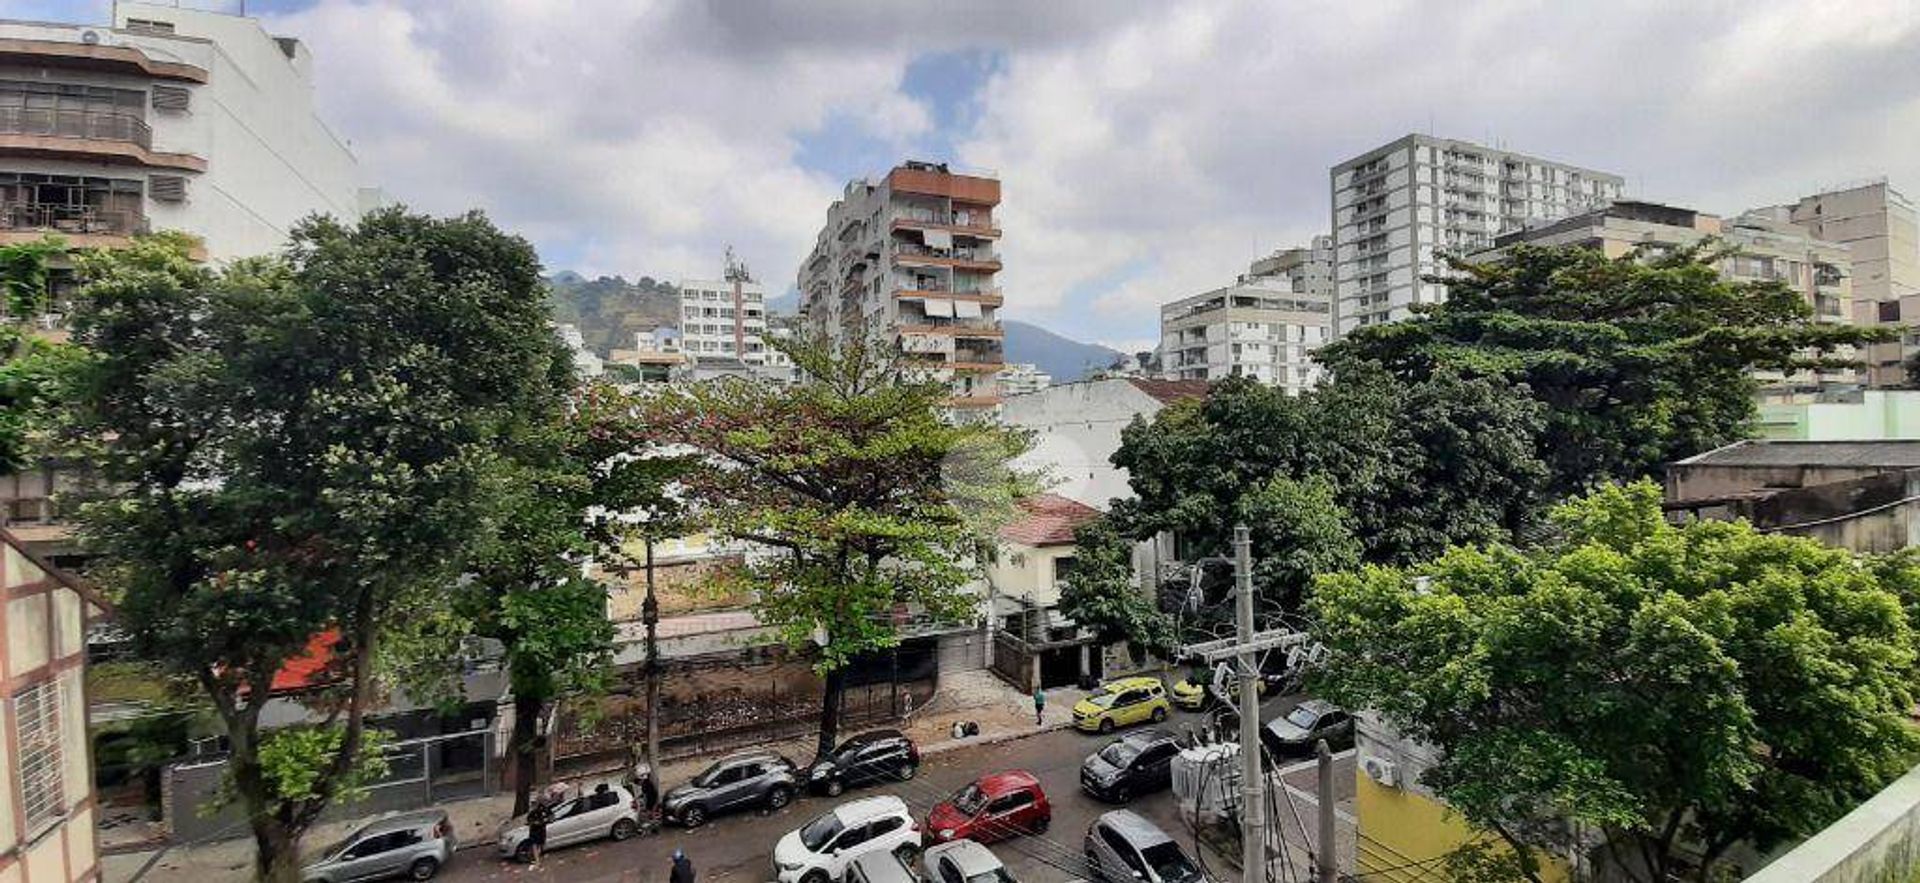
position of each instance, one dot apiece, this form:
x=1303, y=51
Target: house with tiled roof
x=1034, y=645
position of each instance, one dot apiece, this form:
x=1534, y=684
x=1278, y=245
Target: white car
x=613, y=813
x=822, y=849
x=964, y=861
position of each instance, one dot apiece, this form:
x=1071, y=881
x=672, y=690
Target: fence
x=420, y=772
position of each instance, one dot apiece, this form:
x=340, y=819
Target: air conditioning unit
x=1381, y=770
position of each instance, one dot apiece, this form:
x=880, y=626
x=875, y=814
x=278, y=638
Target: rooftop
x=1887, y=453
x=1048, y=520
x=1167, y=392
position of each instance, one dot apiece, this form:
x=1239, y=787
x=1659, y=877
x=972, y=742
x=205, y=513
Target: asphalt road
x=738, y=848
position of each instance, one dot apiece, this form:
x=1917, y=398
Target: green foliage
x=1403, y=469
x=1706, y=684
x=1637, y=362
x=32, y=370
x=25, y=276
x=609, y=310
x=1102, y=594
x=297, y=759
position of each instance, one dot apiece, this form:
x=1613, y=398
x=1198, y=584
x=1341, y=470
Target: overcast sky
x=1147, y=151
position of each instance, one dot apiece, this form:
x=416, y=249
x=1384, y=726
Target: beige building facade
x=1881, y=230
x=1265, y=326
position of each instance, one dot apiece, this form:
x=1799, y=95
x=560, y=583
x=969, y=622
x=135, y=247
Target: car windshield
x=1301, y=717
x=1102, y=700
x=969, y=800
x=1170, y=864
x=340, y=845
x=1120, y=753
x=821, y=831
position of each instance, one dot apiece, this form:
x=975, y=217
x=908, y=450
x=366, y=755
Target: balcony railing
x=58, y=218
x=89, y=124
x=980, y=255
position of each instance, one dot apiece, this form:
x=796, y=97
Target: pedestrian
x=537, y=818
x=682, y=868
x=1039, y=706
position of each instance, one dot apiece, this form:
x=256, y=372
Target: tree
x=866, y=499
x=1102, y=594
x=1638, y=362
x=32, y=368
x=1404, y=468
x=297, y=447
x=1679, y=689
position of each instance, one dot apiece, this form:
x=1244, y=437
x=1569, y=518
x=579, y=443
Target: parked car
x=1122, y=847
x=881, y=867
x=994, y=807
x=821, y=850
x=1137, y=763
x=1296, y=732
x=412, y=845
x=734, y=782
x=863, y=759
x=1122, y=702
x=613, y=813
x=1191, y=692
x=964, y=861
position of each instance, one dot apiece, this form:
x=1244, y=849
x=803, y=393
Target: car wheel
x=1159, y=714
x=909, y=771
x=1106, y=725
x=423, y=869
x=1121, y=794
x=778, y=797
x=524, y=852
x=694, y=816
x=1040, y=827
x=908, y=853
x=835, y=787
x=624, y=829
x=815, y=877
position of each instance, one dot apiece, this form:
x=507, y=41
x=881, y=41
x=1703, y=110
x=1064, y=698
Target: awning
x=937, y=307
x=966, y=309
x=938, y=238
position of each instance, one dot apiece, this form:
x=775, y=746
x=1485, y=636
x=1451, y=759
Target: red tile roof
x=314, y=667
x=1169, y=391
x=1047, y=520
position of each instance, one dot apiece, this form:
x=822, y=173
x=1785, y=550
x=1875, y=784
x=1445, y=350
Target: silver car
x=412, y=845
x=610, y=811
x=1122, y=847
x=964, y=861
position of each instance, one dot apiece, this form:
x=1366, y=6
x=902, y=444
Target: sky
x=1147, y=151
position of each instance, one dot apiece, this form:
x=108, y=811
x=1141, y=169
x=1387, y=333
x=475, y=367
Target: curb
x=981, y=741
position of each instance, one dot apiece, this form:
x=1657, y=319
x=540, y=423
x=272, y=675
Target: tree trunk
x=522, y=748
x=830, y=712
x=276, y=856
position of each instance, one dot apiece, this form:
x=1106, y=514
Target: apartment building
x=1399, y=209
x=48, y=808
x=1878, y=225
x=170, y=119
x=1771, y=248
x=1265, y=326
x=1023, y=378
x=910, y=258
x=723, y=322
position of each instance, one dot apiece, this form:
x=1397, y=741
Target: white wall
x=1076, y=429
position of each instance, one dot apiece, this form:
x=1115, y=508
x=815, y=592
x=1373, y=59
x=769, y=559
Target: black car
x=1136, y=763
x=1295, y=733
x=866, y=758
x=734, y=782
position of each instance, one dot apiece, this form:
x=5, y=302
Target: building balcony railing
x=972, y=227
x=981, y=256
x=89, y=124
x=918, y=325
x=56, y=218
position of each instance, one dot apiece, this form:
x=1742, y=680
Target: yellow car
x=1193, y=693
x=1122, y=702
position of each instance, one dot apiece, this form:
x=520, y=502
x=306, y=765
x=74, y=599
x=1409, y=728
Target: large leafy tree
x=1637, y=361
x=1101, y=592
x=1679, y=689
x=32, y=368
x=296, y=447
x=865, y=497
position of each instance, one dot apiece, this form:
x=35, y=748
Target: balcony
x=988, y=297
x=950, y=328
x=970, y=258
x=100, y=136
x=982, y=228
x=82, y=226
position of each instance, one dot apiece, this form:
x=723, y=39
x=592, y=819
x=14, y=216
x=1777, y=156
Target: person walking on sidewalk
x=538, y=816
x=1039, y=706
x=682, y=868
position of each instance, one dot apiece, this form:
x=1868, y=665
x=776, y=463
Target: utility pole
x=1253, y=782
x=1327, y=853
x=650, y=616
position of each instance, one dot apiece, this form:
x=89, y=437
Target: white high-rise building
x=1023, y=377
x=1266, y=325
x=723, y=321
x=1400, y=208
x=170, y=119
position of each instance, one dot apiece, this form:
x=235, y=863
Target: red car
x=995, y=807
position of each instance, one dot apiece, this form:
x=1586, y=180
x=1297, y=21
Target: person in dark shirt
x=682, y=868
x=537, y=818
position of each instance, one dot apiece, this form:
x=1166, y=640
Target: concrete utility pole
x=650, y=616
x=1327, y=852
x=1253, y=782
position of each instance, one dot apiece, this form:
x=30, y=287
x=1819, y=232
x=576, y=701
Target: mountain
x=609, y=310
x=1063, y=357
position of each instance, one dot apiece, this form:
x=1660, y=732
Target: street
x=738, y=848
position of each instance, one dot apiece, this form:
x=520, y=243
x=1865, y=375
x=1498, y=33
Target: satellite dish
x=90, y=37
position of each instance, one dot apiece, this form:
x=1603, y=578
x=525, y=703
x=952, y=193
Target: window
x=36, y=714
x=1011, y=802
x=853, y=837
x=380, y=843
x=949, y=873
x=882, y=827
x=149, y=26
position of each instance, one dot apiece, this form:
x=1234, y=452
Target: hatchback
x=992, y=808
x=734, y=782
x=613, y=813
x=964, y=861
x=1122, y=702
x=1136, y=763
x=1122, y=847
x=1296, y=732
x=412, y=845
x=821, y=850
x=863, y=759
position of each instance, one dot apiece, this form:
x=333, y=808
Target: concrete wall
x=1028, y=572
x=1076, y=429
x=1879, y=842
x=1880, y=414
x=44, y=624
x=1876, y=514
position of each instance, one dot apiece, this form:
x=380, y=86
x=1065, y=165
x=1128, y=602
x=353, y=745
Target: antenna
x=736, y=269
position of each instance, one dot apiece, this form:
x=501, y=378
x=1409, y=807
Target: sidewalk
x=1002, y=713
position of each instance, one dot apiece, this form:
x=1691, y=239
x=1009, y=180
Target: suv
x=1309, y=722
x=995, y=807
x=1122, y=847
x=737, y=781
x=412, y=845
x=1122, y=702
x=868, y=757
x=964, y=861
x=821, y=850
x=1132, y=764
x=610, y=811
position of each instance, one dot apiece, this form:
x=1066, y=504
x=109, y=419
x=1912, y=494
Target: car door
x=1339, y=728
x=1108, y=847
x=858, y=766
x=377, y=856
x=1157, y=765
x=844, y=850
x=1005, y=815
x=1126, y=706
x=887, y=834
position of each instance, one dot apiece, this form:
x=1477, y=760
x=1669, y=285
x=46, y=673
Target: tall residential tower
x=1266, y=325
x=1877, y=224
